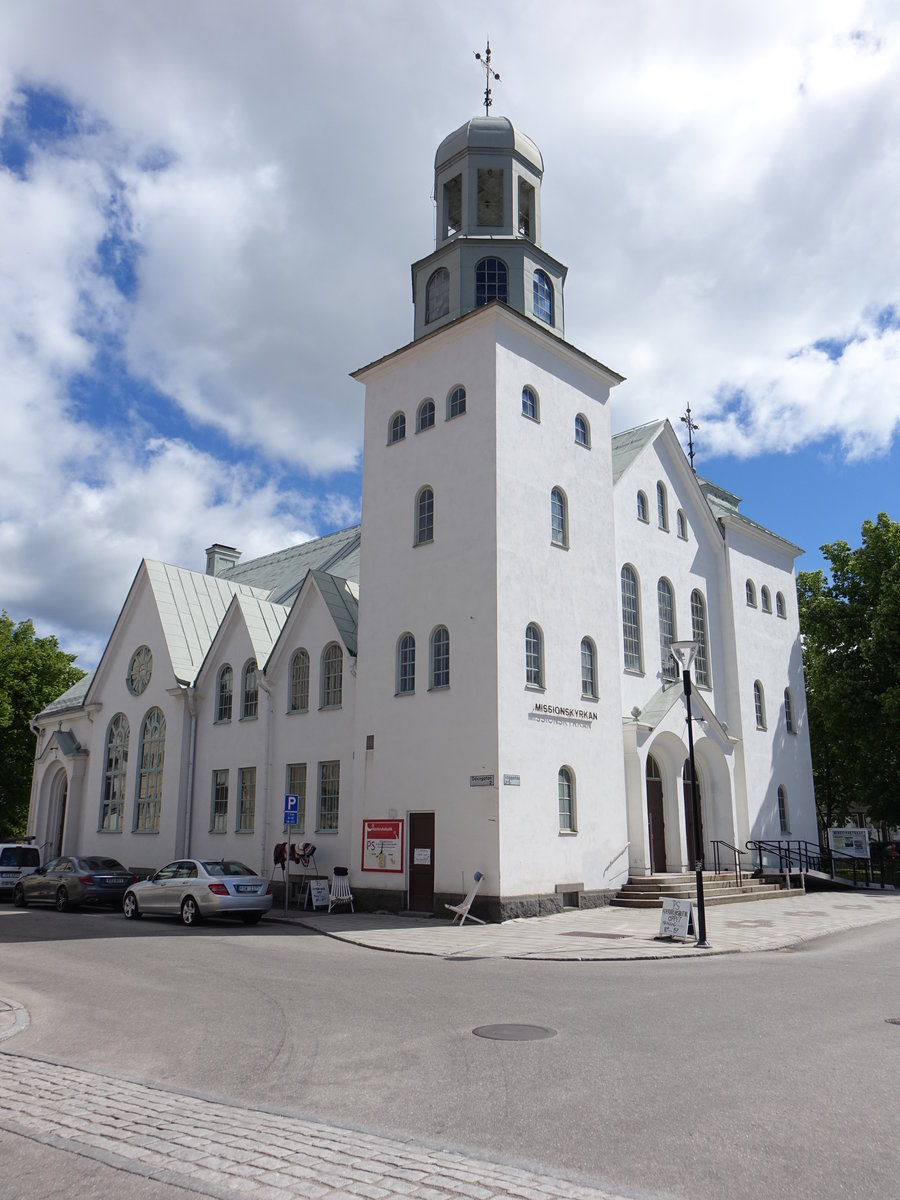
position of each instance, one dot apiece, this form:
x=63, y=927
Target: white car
x=193, y=889
x=17, y=859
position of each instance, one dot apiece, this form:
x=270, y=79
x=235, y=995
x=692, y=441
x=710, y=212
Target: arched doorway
x=689, y=814
x=656, y=826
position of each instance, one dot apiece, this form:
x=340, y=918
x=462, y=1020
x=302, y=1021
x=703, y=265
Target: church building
x=478, y=677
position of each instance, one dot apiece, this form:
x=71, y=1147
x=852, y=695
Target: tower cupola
x=487, y=189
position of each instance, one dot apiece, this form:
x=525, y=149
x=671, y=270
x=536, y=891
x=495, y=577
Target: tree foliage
x=33, y=671
x=851, y=655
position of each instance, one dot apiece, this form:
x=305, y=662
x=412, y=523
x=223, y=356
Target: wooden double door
x=421, y=862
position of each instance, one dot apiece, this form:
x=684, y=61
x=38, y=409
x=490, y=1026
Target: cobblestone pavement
x=615, y=933
x=219, y=1149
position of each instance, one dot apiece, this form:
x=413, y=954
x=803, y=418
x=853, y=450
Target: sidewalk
x=602, y=934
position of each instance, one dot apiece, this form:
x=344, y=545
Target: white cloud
x=722, y=180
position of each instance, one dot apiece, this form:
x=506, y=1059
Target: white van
x=16, y=859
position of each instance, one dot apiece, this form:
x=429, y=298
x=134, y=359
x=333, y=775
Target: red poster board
x=382, y=846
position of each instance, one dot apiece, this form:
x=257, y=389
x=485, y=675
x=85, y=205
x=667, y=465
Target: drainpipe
x=267, y=688
x=191, y=694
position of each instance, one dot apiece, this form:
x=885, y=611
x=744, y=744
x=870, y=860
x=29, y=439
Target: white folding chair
x=462, y=910
x=340, y=889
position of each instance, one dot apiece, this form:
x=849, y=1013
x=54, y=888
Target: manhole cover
x=514, y=1033
x=888, y=1020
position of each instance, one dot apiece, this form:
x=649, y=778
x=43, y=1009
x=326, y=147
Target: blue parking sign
x=291, y=810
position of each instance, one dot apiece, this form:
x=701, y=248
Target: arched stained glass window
x=150, y=778
x=113, y=801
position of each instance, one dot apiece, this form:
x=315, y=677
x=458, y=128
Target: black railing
x=803, y=856
x=718, y=848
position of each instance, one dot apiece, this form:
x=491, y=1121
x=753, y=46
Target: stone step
x=733, y=897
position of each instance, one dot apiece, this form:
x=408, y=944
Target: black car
x=69, y=882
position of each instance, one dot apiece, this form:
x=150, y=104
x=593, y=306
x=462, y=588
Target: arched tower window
x=588, y=669
x=491, y=281
x=631, y=620
x=662, y=507
x=406, y=665
x=765, y=597
x=530, y=403
x=642, y=514
x=750, y=591
x=559, y=518
x=543, y=297
x=759, y=705
x=113, y=802
x=437, y=295
x=150, y=779
x=424, y=516
x=582, y=431
x=456, y=402
x=566, y=792
x=534, y=657
x=440, y=658
x=789, y=712
x=784, y=817
x=780, y=606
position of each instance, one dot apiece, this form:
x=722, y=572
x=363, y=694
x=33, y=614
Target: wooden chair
x=340, y=889
x=462, y=910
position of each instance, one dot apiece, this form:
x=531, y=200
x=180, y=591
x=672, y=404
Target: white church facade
x=478, y=676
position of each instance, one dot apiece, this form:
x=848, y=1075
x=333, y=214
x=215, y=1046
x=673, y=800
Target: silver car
x=193, y=889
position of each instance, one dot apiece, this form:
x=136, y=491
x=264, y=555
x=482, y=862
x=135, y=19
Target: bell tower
x=487, y=188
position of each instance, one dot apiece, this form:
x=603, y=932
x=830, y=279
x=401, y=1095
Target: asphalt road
x=745, y=1076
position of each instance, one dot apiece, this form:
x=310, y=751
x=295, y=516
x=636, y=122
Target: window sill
x=244, y=832
x=222, y=721
x=330, y=707
x=255, y=717
x=534, y=420
x=568, y=833
x=590, y=697
x=296, y=712
x=145, y=832
x=559, y=545
x=110, y=830
x=637, y=672
x=401, y=695
x=326, y=832
x=440, y=687
x=535, y=687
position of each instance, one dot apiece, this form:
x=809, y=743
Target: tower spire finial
x=691, y=426
x=489, y=74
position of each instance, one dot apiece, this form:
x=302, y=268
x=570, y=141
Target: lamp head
x=684, y=653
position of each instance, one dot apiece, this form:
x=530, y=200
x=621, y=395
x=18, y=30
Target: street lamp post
x=684, y=654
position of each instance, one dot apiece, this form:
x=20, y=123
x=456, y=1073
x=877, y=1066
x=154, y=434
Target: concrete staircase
x=649, y=891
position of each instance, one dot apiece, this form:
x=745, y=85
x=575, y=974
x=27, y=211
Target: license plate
x=247, y=887
x=9, y=874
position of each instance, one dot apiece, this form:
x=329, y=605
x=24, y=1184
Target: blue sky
x=210, y=212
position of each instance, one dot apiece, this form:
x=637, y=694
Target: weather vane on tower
x=691, y=426
x=489, y=74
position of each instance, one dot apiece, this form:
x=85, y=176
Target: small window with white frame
x=642, y=512
x=224, y=693
x=681, y=524
x=780, y=606
x=440, y=659
x=425, y=415
x=662, y=507
x=406, y=665
x=784, y=816
x=750, y=592
x=298, y=694
x=588, y=669
x=250, y=692
x=246, y=816
x=530, y=404
x=424, y=517
x=332, y=676
x=534, y=656
x=759, y=704
x=397, y=428
x=765, y=597
x=456, y=402
x=789, y=712
x=582, y=431
x=559, y=518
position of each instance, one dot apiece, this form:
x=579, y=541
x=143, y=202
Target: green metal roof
x=72, y=698
x=280, y=574
x=628, y=445
x=342, y=598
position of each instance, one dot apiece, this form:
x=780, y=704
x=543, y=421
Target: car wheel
x=130, y=907
x=190, y=913
x=62, y=900
x=251, y=918
x=19, y=896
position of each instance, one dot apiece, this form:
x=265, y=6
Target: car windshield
x=226, y=868
x=99, y=864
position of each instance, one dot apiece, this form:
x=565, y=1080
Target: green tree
x=33, y=671
x=851, y=655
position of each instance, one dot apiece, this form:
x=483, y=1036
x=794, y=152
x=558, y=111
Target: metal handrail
x=738, y=877
x=806, y=856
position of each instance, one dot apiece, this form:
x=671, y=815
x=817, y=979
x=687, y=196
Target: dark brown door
x=421, y=862
x=656, y=825
x=689, y=815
